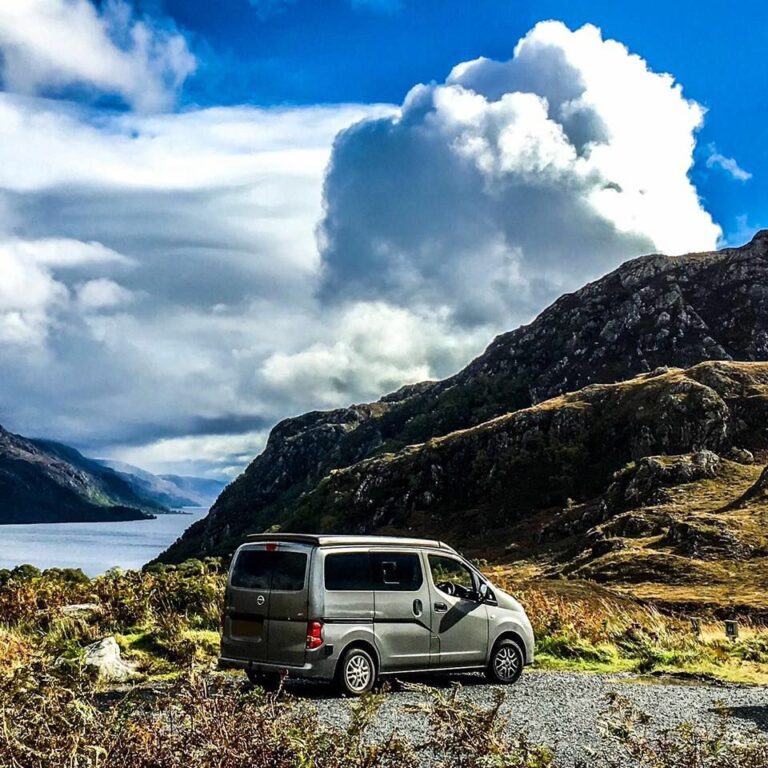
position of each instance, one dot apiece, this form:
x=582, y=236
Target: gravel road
x=561, y=709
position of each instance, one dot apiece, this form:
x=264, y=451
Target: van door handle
x=418, y=607
x=441, y=607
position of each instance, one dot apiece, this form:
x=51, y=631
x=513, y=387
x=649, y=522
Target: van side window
x=452, y=577
x=348, y=571
x=259, y=569
x=397, y=571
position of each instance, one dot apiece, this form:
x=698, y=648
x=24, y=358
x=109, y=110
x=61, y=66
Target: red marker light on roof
x=271, y=547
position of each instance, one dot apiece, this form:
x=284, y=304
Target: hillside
x=646, y=481
x=173, y=491
x=47, y=482
x=546, y=452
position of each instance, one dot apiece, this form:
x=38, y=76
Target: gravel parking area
x=562, y=709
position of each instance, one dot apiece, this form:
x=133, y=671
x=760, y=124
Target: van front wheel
x=506, y=663
x=357, y=672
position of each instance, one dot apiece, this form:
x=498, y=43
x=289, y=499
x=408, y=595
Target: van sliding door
x=402, y=610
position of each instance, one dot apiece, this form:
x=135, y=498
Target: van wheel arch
x=364, y=645
x=509, y=635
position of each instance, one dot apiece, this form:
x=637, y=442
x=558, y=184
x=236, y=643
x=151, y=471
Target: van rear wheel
x=506, y=663
x=357, y=672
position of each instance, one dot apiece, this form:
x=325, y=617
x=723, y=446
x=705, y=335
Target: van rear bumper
x=320, y=668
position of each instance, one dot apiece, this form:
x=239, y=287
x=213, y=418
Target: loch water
x=94, y=547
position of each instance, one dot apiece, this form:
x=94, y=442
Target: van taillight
x=314, y=634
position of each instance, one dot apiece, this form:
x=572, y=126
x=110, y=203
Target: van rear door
x=247, y=608
x=288, y=604
x=266, y=611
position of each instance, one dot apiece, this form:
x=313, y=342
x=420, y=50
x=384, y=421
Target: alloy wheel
x=506, y=662
x=357, y=673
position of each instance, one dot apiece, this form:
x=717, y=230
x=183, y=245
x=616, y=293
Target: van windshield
x=259, y=569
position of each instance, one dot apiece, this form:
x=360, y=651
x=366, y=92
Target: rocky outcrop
x=709, y=539
x=640, y=484
x=652, y=312
x=571, y=447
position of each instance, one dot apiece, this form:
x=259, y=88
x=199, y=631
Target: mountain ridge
x=173, y=491
x=42, y=481
x=652, y=311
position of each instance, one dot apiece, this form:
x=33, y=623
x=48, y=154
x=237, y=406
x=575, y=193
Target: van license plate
x=250, y=628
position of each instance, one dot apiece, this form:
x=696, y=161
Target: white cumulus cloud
x=185, y=280
x=374, y=348
x=50, y=45
x=103, y=293
x=513, y=181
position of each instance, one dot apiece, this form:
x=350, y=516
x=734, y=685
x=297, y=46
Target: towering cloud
x=513, y=181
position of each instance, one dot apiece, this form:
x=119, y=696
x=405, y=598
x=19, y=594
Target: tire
x=356, y=674
x=269, y=681
x=506, y=663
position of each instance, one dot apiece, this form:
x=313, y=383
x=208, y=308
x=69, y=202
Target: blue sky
x=305, y=52
x=214, y=215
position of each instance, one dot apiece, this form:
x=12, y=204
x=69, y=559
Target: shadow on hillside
x=757, y=714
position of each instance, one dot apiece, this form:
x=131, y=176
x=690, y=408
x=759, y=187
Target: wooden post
x=696, y=625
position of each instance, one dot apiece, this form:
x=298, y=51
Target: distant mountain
x=431, y=455
x=46, y=482
x=202, y=491
x=174, y=491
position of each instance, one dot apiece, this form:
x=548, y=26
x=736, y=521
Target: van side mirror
x=483, y=592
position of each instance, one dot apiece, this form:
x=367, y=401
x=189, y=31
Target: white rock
x=104, y=656
x=79, y=608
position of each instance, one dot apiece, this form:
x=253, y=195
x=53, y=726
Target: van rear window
x=259, y=569
x=288, y=572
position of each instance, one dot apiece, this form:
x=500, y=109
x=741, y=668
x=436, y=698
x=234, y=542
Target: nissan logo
x=260, y=600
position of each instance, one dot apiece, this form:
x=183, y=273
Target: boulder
x=104, y=656
x=80, y=609
x=741, y=455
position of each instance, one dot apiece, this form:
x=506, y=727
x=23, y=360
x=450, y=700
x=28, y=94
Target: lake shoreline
x=95, y=547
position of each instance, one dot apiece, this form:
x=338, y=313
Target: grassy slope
x=168, y=620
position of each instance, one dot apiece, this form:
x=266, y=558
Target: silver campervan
x=352, y=609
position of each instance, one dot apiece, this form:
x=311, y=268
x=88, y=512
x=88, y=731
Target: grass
x=168, y=619
x=582, y=626
x=53, y=712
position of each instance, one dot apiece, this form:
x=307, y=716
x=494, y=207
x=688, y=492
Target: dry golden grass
x=580, y=625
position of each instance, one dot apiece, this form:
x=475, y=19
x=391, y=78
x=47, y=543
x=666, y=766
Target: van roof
x=336, y=540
